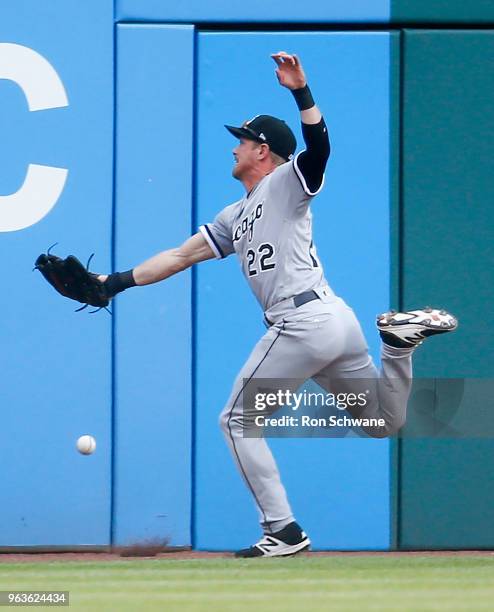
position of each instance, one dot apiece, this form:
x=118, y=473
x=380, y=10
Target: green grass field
x=304, y=584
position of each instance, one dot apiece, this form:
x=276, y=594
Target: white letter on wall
x=43, y=89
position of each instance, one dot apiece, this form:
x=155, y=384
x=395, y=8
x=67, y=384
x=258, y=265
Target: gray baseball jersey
x=270, y=229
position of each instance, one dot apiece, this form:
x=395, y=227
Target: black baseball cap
x=268, y=130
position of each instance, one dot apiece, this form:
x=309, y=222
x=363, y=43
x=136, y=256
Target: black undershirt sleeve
x=312, y=161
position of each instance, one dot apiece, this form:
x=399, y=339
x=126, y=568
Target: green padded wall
x=447, y=493
x=442, y=11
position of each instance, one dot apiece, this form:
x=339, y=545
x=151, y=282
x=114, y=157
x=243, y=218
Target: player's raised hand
x=289, y=70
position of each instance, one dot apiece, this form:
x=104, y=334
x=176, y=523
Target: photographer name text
x=307, y=421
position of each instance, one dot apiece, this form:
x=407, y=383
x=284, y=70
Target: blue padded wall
x=222, y=11
x=66, y=499
x=153, y=324
x=54, y=363
x=339, y=489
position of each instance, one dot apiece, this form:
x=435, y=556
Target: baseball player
x=311, y=332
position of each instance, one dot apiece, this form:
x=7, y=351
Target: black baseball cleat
x=289, y=541
x=410, y=328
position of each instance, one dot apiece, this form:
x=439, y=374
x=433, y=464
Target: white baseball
x=86, y=445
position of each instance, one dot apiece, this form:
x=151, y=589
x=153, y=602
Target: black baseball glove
x=71, y=279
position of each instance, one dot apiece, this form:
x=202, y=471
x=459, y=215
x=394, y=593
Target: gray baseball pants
x=321, y=340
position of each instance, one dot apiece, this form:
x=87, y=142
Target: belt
x=299, y=300
x=303, y=298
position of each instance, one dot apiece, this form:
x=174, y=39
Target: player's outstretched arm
x=310, y=163
x=167, y=263
x=291, y=75
x=160, y=266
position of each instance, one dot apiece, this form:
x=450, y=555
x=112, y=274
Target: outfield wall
x=113, y=143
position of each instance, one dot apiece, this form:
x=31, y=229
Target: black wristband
x=303, y=98
x=119, y=281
